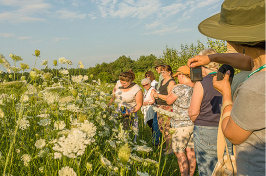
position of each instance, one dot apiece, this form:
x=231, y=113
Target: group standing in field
x=199, y=108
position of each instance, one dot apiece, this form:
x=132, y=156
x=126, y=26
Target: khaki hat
x=230, y=49
x=241, y=21
x=182, y=70
x=158, y=63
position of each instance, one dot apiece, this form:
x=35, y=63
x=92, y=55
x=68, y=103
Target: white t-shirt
x=154, y=84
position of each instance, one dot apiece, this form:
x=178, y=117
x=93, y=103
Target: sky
x=97, y=31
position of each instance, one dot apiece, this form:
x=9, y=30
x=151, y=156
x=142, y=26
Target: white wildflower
x=59, y=125
x=67, y=171
x=85, y=78
x=142, y=173
x=143, y=148
x=50, y=97
x=62, y=60
x=44, y=122
x=151, y=161
x=72, y=108
x=24, y=123
x=136, y=158
x=44, y=62
x=2, y=114
x=41, y=169
x=105, y=161
x=40, y=143
x=26, y=159
x=57, y=155
x=74, y=144
x=44, y=115
x=25, y=98
x=64, y=72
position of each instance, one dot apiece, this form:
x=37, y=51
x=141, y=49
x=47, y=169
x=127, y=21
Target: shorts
x=182, y=139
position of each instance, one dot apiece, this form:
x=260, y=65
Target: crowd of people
x=198, y=106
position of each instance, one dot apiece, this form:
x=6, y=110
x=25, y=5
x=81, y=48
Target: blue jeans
x=205, y=145
x=156, y=131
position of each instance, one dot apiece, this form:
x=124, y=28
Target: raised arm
x=236, y=60
x=196, y=99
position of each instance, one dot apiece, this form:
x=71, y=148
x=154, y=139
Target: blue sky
x=96, y=31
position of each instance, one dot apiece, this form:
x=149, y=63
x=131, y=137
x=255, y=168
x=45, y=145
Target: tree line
x=109, y=72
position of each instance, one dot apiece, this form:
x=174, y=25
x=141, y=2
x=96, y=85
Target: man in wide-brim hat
x=242, y=24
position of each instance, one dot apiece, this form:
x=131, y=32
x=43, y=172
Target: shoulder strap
x=221, y=142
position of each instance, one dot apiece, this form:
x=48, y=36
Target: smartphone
x=196, y=74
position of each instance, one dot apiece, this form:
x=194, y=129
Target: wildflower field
x=62, y=126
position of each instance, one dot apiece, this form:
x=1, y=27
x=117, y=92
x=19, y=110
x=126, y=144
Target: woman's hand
x=223, y=86
x=198, y=60
x=155, y=95
x=145, y=103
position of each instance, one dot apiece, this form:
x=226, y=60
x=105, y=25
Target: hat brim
x=214, y=28
x=177, y=73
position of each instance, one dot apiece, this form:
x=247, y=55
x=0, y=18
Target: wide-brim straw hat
x=241, y=21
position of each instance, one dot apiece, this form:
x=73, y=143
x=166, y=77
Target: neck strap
x=255, y=71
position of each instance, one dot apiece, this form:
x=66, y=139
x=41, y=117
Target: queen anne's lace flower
x=40, y=143
x=44, y=122
x=142, y=173
x=26, y=159
x=67, y=171
x=59, y=125
x=74, y=144
x=24, y=123
x=143, y=148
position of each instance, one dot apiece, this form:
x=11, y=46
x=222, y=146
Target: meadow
x=62, y=126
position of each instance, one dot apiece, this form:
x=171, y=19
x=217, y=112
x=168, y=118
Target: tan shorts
x=182, y=139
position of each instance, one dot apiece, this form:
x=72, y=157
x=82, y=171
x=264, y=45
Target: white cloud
x=24, y=38
x=153, y=25
x=10, y=35
x=167, y=30
x=23, y=11
x=11, y=17
x=128, y=8
x=60, y=39
x=68, y=15
x=7, y=35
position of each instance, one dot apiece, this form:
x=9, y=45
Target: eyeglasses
x=147, y=76
x=145, y=85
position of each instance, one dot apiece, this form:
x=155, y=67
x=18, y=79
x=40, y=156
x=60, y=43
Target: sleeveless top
x=147, y=110
x=127, y=99
x=210, y=108
x=163, y=90
x=147, y=95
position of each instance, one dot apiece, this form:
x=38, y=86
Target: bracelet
x=225, y=104
x=227, y=114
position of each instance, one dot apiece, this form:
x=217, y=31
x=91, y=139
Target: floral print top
x=181, y=106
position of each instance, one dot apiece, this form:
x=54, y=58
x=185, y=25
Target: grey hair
x=211, y=65
x=145, y=80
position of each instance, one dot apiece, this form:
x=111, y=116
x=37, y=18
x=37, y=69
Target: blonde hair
x=208, y=51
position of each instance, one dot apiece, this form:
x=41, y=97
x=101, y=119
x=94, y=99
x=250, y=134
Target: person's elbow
x=169, y=102
x=193, y=115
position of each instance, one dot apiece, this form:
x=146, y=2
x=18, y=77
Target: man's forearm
x=236, y=60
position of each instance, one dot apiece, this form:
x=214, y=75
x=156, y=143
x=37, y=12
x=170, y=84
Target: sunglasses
x=147, y=76
x=145, y=85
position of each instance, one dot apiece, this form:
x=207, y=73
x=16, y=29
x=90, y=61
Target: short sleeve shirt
x=181, y=106
x=248, y=112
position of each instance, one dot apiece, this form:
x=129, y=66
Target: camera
x=196, y=74
x=222, y=70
